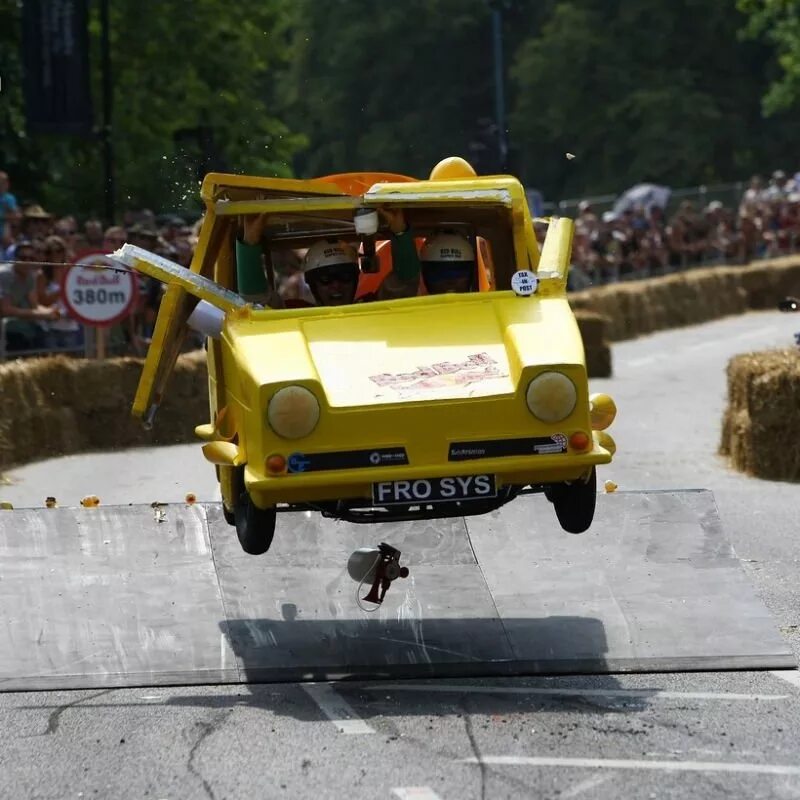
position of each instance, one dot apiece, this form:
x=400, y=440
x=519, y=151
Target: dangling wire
x=107, y=267
x=358, y=589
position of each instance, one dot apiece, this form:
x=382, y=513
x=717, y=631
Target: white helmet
x=329, y=253
x=447, y=247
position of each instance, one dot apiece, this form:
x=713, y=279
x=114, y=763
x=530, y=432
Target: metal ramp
x=110, y=596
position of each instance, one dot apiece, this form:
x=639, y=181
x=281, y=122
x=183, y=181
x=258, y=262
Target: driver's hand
x=253, y=228
x=395, y=219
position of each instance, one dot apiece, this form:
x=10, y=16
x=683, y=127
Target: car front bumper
x=305, y=487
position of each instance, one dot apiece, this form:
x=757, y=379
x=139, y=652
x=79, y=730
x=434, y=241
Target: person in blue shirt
x=8, y=207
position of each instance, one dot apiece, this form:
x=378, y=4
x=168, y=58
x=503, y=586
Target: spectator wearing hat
x=36, y=222
x=19, y=301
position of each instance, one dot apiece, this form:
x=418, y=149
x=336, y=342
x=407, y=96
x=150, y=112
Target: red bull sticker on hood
x=477, y=368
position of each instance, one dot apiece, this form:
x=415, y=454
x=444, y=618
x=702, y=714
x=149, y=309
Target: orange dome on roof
x=451, y=169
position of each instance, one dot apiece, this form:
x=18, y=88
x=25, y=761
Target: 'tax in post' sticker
x=524, y=283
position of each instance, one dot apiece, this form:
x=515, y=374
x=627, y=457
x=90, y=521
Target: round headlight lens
x=551, y=396
x=293, y=412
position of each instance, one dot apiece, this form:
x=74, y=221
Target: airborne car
x=415, y=408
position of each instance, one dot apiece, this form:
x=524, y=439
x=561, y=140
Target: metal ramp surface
x=110, y=596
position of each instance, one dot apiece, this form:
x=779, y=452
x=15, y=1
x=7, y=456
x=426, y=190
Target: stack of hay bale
x=56, y=406
x=593, y=328
x=761, y=426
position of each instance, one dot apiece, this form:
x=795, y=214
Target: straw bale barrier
x=689, y=298
x=595, y=343
x=52, y=407
x=761, y=425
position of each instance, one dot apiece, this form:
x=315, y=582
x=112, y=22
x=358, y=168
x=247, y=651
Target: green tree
x=388, y=86
x=660, y=90
x=175, y=70
x=778, y=23
x=18, y=154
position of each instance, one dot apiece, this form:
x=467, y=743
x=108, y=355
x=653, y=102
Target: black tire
x=574, y=503
x=255, y=526
x=238, y=489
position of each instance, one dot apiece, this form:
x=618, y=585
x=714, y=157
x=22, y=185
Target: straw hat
x=35, y=212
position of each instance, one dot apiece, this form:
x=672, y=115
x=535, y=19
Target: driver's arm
x=403, y=280
x=251, y=280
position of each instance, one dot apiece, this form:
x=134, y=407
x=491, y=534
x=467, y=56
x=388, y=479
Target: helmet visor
x=448, y=276
x=333, y=273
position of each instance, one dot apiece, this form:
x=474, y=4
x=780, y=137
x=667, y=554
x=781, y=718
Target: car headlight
x=293, y=412
x=551, y=396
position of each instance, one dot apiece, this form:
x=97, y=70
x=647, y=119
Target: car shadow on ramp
x=388, y=648
x=367, y=657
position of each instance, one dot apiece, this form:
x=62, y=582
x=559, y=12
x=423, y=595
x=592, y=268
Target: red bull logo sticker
x=477, y=368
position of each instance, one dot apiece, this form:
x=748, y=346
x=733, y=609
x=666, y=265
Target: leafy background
x=675, y=91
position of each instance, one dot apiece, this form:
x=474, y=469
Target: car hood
x=425, y=351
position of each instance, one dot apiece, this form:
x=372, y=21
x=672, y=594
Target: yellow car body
x=403, y=393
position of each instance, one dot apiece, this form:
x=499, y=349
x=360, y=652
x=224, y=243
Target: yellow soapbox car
x=417, y=408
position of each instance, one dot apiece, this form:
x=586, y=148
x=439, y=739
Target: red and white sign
x=98, y=296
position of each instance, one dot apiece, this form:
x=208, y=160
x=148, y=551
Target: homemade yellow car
x=422, y=407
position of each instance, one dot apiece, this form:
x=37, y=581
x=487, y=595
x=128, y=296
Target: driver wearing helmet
x=448, y=264
x=330, y=267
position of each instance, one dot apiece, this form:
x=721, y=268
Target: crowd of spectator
x=639, y=240
x=643, y=240
x=35, y=249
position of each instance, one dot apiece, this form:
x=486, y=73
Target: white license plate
x=433, y=490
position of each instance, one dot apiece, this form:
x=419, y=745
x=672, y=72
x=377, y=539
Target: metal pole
x=108, y=98
x=499, y=87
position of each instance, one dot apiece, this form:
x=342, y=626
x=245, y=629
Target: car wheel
x=236, y=478
x=574, y=503
x=255, y=526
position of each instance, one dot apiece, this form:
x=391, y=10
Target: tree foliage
x=778, y=23
x=188, y=87
x=652, y=90
x=662, y=90
x=389, y=86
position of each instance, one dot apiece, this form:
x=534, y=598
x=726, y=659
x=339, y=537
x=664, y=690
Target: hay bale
x=689, y=298
x=57, y=406
x=761, y=426
x=598, y=361
x=593, y=333
x=592, y=327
